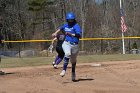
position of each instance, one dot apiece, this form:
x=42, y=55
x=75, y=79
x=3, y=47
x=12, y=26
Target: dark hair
x=74, y=21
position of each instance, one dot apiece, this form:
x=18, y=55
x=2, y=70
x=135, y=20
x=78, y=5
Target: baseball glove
x=50, y=49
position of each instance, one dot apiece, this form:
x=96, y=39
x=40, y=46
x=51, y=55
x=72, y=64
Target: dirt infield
x=110, y=77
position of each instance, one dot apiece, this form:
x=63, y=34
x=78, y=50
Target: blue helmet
x=70, y=15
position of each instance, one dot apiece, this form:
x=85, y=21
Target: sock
x=73, y=68
x=66, y=61
x=58, y=61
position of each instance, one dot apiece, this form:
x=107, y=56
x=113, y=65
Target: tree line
x=38, y=19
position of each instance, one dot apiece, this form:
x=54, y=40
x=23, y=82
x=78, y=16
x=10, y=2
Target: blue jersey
x=75, y=29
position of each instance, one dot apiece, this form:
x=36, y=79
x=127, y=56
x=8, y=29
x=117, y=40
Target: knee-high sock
x=73, y=68
x=58, y=61
x=66, y=61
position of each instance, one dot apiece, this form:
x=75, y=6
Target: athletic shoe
x=55, y=66
x=62, y=73
x=53, y=63
x=73, y=76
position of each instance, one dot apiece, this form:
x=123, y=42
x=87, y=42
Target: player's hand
x=68, y=33
x=2, y=41
x=54, y=35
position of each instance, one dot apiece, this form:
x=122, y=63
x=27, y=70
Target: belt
x=72, y=43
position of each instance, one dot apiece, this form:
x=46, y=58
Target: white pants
x=71, y=51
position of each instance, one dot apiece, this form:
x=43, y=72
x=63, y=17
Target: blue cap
x=70, y=15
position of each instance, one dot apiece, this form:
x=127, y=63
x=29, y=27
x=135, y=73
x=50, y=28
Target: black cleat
x=2, y=73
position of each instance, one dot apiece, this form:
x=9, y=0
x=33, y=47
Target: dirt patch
x=110, y=77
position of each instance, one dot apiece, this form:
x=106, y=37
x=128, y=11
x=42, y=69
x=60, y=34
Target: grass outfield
x=38, y=61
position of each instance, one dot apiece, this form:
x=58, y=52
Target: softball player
x=70, y=45
x=1, y=46
x=60, y=39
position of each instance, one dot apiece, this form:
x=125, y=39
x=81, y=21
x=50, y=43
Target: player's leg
x=67, y=50
x=60, y=56
x=73, y=73
x=73, y=59
x=1, y=49
x=56, y=58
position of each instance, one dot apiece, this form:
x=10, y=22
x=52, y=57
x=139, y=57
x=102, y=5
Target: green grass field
x=38, y=61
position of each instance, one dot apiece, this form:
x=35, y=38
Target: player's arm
x=50, y=49
x=77, y=32
x=74, y=35
x=55, y=33
x=2, y=40
x=61, y=28
x=55, y=39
